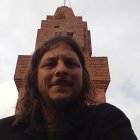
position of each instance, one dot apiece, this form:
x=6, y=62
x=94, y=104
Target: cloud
x=136, y=125
x=115, y=33
x=8, y=98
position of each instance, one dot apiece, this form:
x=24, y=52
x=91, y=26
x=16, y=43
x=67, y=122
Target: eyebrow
x=55, y=57
x=48, y=59
x=67, y=57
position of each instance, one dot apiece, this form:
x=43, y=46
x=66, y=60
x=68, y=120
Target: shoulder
x=111, y=123
x=107, y=113
x=8, y=132
x=6, y=128
x=107, y=109
x=5, y=122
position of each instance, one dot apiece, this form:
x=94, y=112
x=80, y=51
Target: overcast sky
x=115, y=33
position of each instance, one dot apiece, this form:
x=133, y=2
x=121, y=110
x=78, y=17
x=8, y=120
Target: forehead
x=60, y=49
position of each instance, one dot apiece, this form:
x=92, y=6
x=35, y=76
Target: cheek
x=45, y=77
x=42, y=79
x=78, y=80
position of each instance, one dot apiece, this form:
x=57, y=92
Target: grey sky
x=115, y=33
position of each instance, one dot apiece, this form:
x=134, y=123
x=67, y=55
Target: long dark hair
x=30, y=108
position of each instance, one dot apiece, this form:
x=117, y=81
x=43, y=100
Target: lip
x=60, y=83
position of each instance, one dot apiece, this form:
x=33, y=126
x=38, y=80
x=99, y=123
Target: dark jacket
x=102, y=122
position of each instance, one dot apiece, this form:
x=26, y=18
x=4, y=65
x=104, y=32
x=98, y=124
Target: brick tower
x=64, y=22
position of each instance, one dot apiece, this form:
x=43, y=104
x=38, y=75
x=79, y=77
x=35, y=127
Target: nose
x=61, y=69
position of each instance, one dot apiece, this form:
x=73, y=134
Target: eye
x=71, y=64
x=50, y=64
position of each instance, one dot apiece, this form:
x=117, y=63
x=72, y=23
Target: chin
x=63, y=102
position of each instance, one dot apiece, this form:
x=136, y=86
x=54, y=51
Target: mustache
x=60, y=82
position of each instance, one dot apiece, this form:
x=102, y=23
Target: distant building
x=64, y=22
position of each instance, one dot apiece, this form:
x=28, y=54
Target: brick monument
x=64, y=22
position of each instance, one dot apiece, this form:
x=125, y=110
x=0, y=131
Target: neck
x=54, y=112
x=52, y=115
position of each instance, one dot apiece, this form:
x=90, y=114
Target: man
x=56, y=103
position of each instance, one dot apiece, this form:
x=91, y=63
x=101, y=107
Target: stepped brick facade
x=64, y=22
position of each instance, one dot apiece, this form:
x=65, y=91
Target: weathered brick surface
x=21, y=68
x=65, y=22
x=99, y=71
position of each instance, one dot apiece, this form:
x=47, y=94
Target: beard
x=65, y=104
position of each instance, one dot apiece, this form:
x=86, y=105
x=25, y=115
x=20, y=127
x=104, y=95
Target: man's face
x=60, y=74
